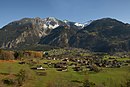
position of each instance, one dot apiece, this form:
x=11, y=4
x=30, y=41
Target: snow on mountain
x=88, y=22
x=51, y=22
x=66, y=21
x=79, y=25
x=75, y=24
x=82, y=25
x=52, y=27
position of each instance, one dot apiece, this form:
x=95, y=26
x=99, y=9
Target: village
x=78, y=62
x=69, y=64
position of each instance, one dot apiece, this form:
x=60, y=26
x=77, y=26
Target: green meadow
x=108, y=77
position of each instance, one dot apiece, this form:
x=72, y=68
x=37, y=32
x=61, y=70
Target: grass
x=111, y=77
x=122, y=59
x=55, y=76
x=7, y=67
x=118, y=59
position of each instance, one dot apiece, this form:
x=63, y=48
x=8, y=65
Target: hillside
x=105, y=35
x=27, y=31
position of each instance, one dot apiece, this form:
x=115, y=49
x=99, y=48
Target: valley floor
x=107, y=77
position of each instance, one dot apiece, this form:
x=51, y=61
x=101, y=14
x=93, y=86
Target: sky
x=73, y=10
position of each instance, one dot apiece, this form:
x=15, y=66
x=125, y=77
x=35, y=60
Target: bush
x=77, y=81
x=21, y=77
x=94, y=68
x=33, y=54
x=7, y=55
x=18, y=55
x=38, y=54
x=128, y=83
x=0, y=51
x=8, y=81
x=86, y=83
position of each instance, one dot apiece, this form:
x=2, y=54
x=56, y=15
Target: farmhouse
x=38, y=68
x=60, y=65
x=77, y=68
x=21, y=62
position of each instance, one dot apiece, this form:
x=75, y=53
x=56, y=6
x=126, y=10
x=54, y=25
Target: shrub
x=94, y=68
x=86, y=83
x=21, y=77
x=33, y=54
x=8, y=81
x=0, y=51
x=128, y=83
x=38, y=54
x=18, y=55
x=77, y=81
x=7, y=55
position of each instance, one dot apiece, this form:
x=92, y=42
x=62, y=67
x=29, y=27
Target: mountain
x=102, y=35
x=59, y=36
x=28, y=31
x=75, y=24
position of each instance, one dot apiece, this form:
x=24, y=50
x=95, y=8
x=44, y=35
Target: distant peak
x=79, y=24
x=108, y=19
x=51, y=18
x=65, y=21
x=37, y=18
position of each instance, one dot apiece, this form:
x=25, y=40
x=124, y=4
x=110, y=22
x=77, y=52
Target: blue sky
x=73, y=10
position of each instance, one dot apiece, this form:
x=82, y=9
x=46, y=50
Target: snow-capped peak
x=51, y=18
x=65, y=21
x=79, y=24
x=50, y=22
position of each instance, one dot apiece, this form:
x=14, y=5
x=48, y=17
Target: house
x=60, y=65
x=77, y=68
x=62, y=69
x=21, y=62
x=38, y=68
x=66, y=59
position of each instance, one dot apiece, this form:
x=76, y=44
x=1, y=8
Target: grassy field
x=110, y=77
x=114, y=57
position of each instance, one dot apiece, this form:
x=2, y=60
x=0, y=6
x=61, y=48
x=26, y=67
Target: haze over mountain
x=102, y=35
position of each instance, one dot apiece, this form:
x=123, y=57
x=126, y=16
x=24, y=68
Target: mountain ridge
x=102, y=35
x=23, y=30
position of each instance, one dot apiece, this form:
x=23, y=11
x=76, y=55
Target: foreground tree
x=21, y=77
